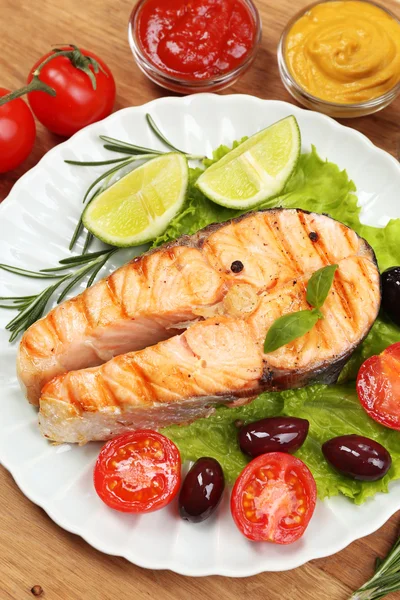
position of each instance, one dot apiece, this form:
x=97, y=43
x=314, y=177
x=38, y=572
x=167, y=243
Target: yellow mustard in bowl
x=344, y=51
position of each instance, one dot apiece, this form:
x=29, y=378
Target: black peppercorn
x=237, y=266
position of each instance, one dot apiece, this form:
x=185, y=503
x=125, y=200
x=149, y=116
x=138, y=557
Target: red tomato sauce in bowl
x=194, y=45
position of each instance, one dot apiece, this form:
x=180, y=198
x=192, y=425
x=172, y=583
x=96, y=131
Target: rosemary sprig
x=385, y=580
x=31, y=308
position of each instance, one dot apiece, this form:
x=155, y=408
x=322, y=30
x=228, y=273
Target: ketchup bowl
x=197, y=46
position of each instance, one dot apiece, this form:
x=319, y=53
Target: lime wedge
x=255, y=171
x=138, y=207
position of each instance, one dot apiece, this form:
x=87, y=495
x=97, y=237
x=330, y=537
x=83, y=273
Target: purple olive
x=202, y=490
x=390, y=280
x=357, y=457
x=275, y=434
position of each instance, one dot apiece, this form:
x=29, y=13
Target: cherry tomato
x=138, y=472
x=378, y=386
x=17, y=133
x=274, y=498
x=76, y=103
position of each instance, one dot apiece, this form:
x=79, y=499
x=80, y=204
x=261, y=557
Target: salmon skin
x=199, y=309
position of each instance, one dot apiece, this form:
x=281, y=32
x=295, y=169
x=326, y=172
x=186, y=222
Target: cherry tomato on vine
x=378, y=386
x=17, y=133
x=138, y=472
x=274, y=498
x=79, y=100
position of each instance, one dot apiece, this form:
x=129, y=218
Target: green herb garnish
x=288, y=328
x=386, y=579
x=319, y=285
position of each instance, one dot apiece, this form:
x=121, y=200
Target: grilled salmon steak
x=188, y=322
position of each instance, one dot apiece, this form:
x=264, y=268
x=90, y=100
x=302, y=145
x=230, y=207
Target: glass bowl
x=332, y=109
x=181, y=85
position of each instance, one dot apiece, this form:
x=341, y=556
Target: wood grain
x=33, y=550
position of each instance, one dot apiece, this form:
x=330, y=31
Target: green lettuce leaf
x=330, y=410
x=221, y=151
x=333, y=411
x=319, y=186
x=216, y=436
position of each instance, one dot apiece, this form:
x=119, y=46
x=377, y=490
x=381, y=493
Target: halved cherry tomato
x=378, y=386
x=138, y=472
x=274, y=498
x=17, y=133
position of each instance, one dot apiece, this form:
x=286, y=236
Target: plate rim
x=40, y=501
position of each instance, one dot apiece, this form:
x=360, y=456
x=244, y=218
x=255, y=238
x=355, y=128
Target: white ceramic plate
x=37, y=221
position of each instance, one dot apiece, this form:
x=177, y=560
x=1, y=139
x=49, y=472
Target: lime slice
x=255, y=171
x=138, y=207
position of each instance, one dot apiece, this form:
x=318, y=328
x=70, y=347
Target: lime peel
x=256, y=170
x=138, y=208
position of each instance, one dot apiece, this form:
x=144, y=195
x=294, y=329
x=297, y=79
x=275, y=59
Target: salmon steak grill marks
x=182, y=327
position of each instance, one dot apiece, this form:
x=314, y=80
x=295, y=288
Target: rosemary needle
x=160, y=135
x=88, y=241
x=98, y=163
x=127, y=147
x=26, y=273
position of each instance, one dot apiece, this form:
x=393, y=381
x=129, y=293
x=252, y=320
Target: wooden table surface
x=33, y=550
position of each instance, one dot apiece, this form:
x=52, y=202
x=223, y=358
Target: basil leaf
x=319, y=285
x=289, y=328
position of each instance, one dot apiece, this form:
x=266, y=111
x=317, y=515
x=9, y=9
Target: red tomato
x=76, y=103
x=274, y=498
x=17, y=133
x=138, y=472
x=378, y=386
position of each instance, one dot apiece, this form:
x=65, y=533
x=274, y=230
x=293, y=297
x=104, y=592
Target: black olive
x=201, y=491
x=357, y=457
x=275, y=434
x=391, y=293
